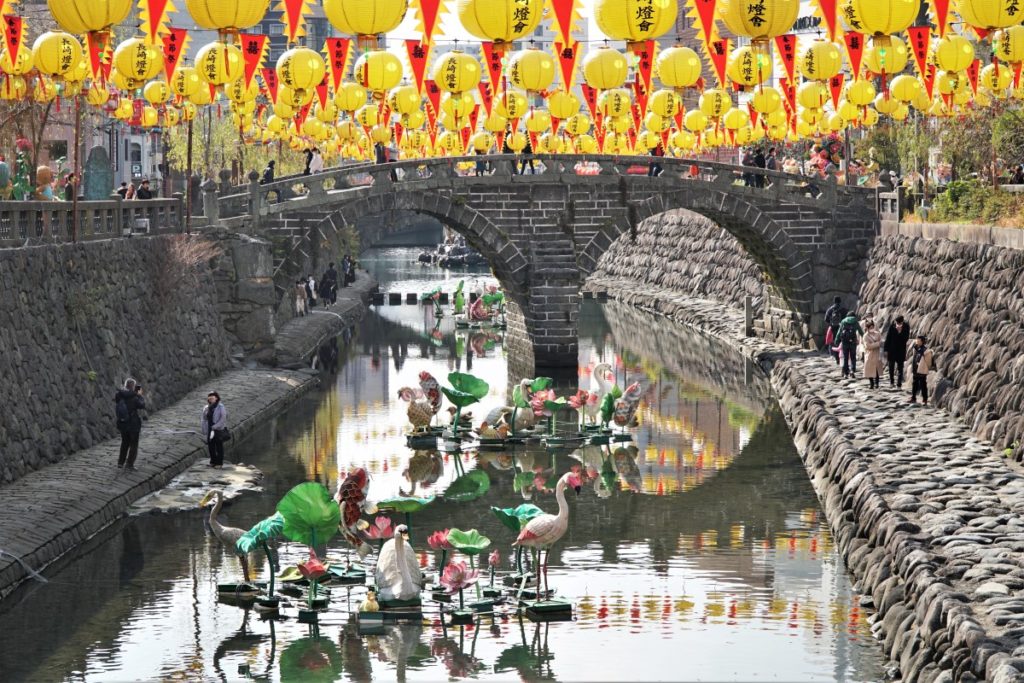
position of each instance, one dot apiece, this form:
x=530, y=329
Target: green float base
x=599, y=440
x=268, y=604
x=549, y=610
x=348, y=575
x=241, y=589
x=420, y=441
x=370, y=623
x=492, y=592
x=516, y=580
x=482, y=606
x=290, y=590
x=622, y=438
x=530, y=596
x=414, y=603
x=307, y=616
x=462, y=616
x=441, y=596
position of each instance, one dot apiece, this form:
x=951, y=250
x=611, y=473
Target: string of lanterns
x=877, y=58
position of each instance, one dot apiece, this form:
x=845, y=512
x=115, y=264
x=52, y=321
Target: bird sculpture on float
x=229, y=535
x=424, y=403
x=398, y=573
x=370, y=603
x=625, y=407
x=543, y=531
x=351, y=498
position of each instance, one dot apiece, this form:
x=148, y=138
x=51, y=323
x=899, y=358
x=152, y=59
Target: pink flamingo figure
x=543, y=531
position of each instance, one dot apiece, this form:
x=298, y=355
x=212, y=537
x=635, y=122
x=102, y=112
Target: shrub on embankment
x=75, y=320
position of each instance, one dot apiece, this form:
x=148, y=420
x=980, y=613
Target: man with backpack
x=922, y=363
x=849, y=332
x=128, y=402
x=833, y=316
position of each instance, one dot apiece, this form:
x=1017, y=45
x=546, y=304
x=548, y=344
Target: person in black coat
x=129, y=422
x=895, y=346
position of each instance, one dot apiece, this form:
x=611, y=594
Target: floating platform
x=370, y=623
x=347, y=575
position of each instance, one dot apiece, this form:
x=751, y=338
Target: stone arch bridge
x=544, y=233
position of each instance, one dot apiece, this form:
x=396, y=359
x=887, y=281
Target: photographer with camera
x=129, y=401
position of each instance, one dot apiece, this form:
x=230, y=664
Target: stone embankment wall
x=968, y=298
x=75, y=320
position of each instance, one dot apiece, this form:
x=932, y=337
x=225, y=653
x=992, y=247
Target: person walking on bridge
x=872, y=354
x=896, y=340
x=921, y=364
x=833, y=316
x=128, y=402
x=850, y=332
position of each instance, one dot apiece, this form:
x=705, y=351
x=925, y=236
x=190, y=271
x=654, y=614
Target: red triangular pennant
x=645, y=61
x=464, y=134
x=399, y=133
x=706, y=12
x=474, y=117
x=337, y=58
x=855, y=51
x=292, y=17
x=786, y=45
x=1016, y=74
x=252, y=45
x=433, y=95
x=174, y=41
x=940, y=9
x=835, y=85
x=96, y=45
x=418, y=53
x=567, y=62
x=429, y=10
x=754, y=114
x=154, y=15
x=828, y=14
x=302, y=114
x=321, y=92
x=928, y=78
x=982, y=33
x=563, y=11
x=14, y=35
x=972, y=74
x=719, y=53
x=270, y=83
x=492, y=58
x=789, y=93
x=920, y=37
x=640, y=95
x=486, y=96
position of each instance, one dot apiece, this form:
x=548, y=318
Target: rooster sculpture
x=625, y=407
x=424, y=403
x=351, y=498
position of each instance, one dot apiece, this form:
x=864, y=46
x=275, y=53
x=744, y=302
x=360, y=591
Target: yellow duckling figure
x=370, y=603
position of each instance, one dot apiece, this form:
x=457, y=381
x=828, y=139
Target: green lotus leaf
x=493, y=299
x=311, y=660
x=541, y=383
x=270, y=528
x=517, y=397
x=516, y=518
x=402, y=504
x=310, y=514
x=469, y=486
x=459, y=288
x=426, y=296
x=616, y=392
x=557, y=404
x=459, y=398
x=607, y=407
x=468, y=542
x=522, y=480
x=469, y=384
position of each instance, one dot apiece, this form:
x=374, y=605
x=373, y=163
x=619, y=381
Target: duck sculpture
x=398, y=573
x=543, y=531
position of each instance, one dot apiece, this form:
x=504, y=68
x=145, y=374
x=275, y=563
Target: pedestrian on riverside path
x=896, y=340
x=300, y=298
x=128, y=402
x=215, y=428
x=330, y=282
x=833, y=316
x=872, y=354
x=310, y=293
x=921, y=364
x=69, y=188
x=348, y=272
x=849, y=332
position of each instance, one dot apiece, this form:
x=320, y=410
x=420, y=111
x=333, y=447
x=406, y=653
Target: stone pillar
x=748, y=316
x=552, y=323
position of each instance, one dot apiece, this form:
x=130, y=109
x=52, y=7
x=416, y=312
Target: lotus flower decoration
x=458, y=576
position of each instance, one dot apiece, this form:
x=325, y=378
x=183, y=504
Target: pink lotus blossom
x=579, y=399
x=458, y=576
x=439, y=540
x=381, y=529
x=312, y=568
x=537, y=402
x=494, y=559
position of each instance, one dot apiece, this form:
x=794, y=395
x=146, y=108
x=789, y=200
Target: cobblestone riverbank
x=929, y=518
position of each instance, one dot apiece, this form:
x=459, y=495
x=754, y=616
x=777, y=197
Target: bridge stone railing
x=40, y=221
x=258, y=202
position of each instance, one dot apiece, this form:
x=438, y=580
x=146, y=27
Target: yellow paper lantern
x=586, y=144
x=458, y=104
x=171, y=117
x=887, y=55
x=860, y=93
x=500, y=20
x=836, y=122
x=749, y=65
x=562, y=104
x=684, y=140
x=449, y=142
x=404, y=99
x=414, y=119
x=381, y=134
x=869, y=118
x=658, y=124
x=281, y=108
x=695, y=121
x=678, y=67
x=776, y=118
x=647, y=140
x=226, y=15
x=665, y=103
x=759, y=20
x=777, y=133
x=715, y=102
x=635, y=20
x=124, y=110
x=86, y=16
x=137, y=61
x=157, y=92
x=811, y=116
x=766, y=100
x=150, y=117
x=820, y=61
x=954, y=53
x=735, y=119
x=714, y=137
x=614, y=102
x=994, y=78
x=605, y=68
x=848, y=110
x=13, y=88
x=56, y=53
x=378, y=71
x=879, y=17
x=294, y=98
x=219, y=63
x=481, y=142
x=812, y=95
x=185, y=81
x=618, y=124
x=301, y=69
x=948, y=83
x=237, y=92
x=350, y=96
x=1007, y=45
x=901, y=113
x=906, y=88
x=367, y=115
x=549, y=143
x=326, y=114
x=365, y=17
x=922, y=102
x=990, y=14
x=531, y=69
x=97, y=95
x=275, y=124
x=577, y=124
x=456, y=71
x=538, y=121
x=202, y=96
x=347, y=131
x=511, y=104
x=804, y=129
x=495, y=123
x=22, y=65
x=886, y=105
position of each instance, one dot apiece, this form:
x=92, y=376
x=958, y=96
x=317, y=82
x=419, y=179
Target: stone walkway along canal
x=930, y=519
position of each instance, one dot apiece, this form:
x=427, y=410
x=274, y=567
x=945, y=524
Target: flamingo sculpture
x=543, y=531
x=398, y=572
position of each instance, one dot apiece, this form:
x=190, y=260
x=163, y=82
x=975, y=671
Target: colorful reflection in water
x=696, y=552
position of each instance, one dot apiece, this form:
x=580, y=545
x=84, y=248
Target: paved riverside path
x=299, y=338
x=48, y=512
x=929, y=518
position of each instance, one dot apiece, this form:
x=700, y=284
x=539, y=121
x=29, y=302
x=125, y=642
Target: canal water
x=697, y=552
